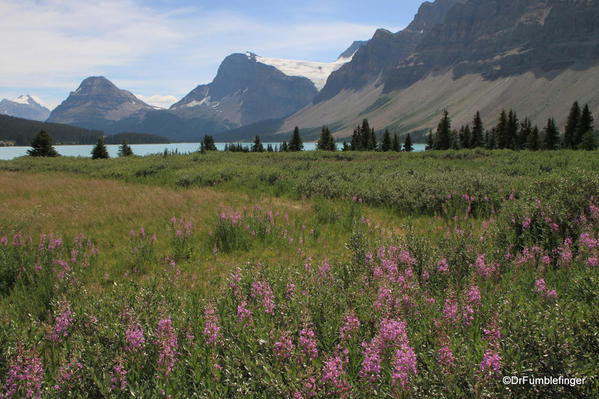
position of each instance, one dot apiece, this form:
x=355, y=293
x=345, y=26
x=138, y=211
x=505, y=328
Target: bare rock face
x=245, y=91
x=97, y=104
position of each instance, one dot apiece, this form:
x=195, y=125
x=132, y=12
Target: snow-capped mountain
x=25, y=106
x=317, y=72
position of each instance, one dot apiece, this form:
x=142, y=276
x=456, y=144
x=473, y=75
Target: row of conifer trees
x=512, y=133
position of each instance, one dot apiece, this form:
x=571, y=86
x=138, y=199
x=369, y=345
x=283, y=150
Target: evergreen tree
x=372, y=142
x=443, y=135
x=284, y=147
x=588, y=141
x=407, y=145
x=512, y=130
x=386, y=143
x=296, y=143
x=477, y=136
x=551, y=139
x=455, y=140
x=346, y=147
x=257, y=147
x=326, y=142
x=269, y=148
x=571, y=126
x=532, y=141
x=100, y=151
x=395, y=145
x=125, y=150
x=41, y=146
x=465, y=137
x=501, y=131
x=207, y=144
x=491, y=139
x=524, y=133
x=585, y=124
x=430, y=144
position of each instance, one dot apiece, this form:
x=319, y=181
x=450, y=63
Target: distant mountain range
x=247, y=89
x=26, y=106
x=535, y=56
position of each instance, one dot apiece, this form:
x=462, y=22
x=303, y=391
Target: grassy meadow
x=300, y=275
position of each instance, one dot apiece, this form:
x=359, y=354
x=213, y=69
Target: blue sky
x=161, y=49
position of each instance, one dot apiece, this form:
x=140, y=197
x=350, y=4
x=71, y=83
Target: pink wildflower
x=167, y=341
x=243, y=313
x=262, y=290
x=491, y=363
x=211, y=325
x=118, y=379
x=443, y=266
x=62, y=322
x=134, y=337
x=445, y=357
x=25, y=376
x=350, y=325
x=404, y=365
x=284, y=346
x=308, y=343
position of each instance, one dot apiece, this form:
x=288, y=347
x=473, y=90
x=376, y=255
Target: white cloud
x=49, y=46
x=158, y=100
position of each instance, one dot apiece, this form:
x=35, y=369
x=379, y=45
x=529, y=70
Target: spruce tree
x=501, y=131
x=41, y=146
x=588, y=141
x=571, y=126
x=430, y=143
x=477, y=136
x=386, y=143
x=296, y=143
x=465, y=137
x=269, y=148
x=524, y=133
x=551, y=139
x=585, y=124
x=100, y=151
x=532, y=142
x=284, y=147
x=395, y=145
x=207, y=144
x=443, y=135
x=455, y=140
x=407, y=145
x=372, y=142
x=326, y=142
x=257, y=147
x=125, y=150
x=512, y=130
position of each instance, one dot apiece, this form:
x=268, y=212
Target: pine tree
x=269, y=148
x=372, y=142
x=326, y=142
x=430, y=144
x=395, y=145
x=125, y=150
x=511, y=130
x=100, y=151
x=524, y=133
x=477, y=136
x=207, y=144
x=588, y=141
x=501, y=131
x=571, y=126
x=551, y=139
x=386, y=143
x=407, y=145
x=296, y=143
x=532, y=142
x=41, y=146
x=455, y=140
x=284, y=147
x=585, y=124
x=465, y=137
x=257, y=147
x=443, y=135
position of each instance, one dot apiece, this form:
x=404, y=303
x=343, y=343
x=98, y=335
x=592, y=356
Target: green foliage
x=207, y=144
x=99, y=151
x=41, y=146
x=257, y=147
x=125, y=150
x=326, y=142
x=442, y=140
x=296, y=143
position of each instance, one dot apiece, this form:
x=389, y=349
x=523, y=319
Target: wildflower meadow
x=300, y=276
